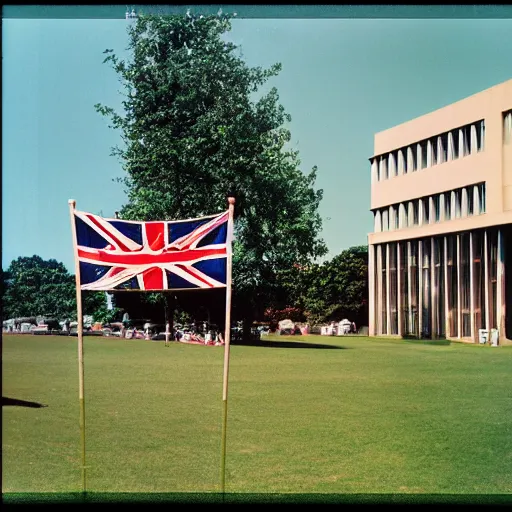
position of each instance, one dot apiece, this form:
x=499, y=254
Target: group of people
x=194, y=333
x=211, y=337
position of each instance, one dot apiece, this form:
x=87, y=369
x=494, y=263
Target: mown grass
x=305, y=415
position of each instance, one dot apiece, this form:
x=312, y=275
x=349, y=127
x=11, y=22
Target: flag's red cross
x=150, y=261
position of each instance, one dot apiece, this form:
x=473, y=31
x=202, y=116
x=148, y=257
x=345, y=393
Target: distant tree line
x=33, y=287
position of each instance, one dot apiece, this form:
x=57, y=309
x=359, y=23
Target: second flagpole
x=80, y=319
x=227, y=339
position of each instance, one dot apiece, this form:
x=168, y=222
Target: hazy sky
x=342, y=81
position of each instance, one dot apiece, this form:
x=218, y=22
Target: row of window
x=447, y=146
x=453, y=204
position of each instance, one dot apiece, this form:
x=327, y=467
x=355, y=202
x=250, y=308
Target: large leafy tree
x=333, y=290
x=195, y=127
x=33, y=286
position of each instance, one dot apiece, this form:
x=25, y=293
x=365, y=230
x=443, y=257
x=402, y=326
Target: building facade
x=440, y=255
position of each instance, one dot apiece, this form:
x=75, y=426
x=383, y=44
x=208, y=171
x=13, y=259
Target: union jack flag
x=158, y=255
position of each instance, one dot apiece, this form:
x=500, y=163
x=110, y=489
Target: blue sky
x=342, y=81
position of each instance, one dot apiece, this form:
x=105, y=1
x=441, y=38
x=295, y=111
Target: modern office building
x=440, y=256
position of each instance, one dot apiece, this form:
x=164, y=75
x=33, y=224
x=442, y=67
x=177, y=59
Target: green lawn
x=305, y=415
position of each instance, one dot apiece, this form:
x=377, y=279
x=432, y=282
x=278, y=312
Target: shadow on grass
x=286, y=344
x=21, y=403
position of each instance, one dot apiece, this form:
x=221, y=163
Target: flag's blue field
x=305, y=415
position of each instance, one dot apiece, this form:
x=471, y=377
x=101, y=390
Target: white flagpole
x=72, y=204
x=227, y=338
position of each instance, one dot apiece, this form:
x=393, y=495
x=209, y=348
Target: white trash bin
x=483, y=336
x=494, y=337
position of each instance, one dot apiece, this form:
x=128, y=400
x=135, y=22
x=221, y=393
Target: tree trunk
x=171, y=317
x=169, y=308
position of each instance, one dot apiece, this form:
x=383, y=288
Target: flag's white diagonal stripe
x=109, y=228
x=193, y=276
x=212, y=225
x=199, y=233
x=198, y=274
x=109, y=281
x=187, y=277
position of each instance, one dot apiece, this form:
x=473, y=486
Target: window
x=384, y=290
x=400, y=162
x=415, y=210
x=425, y=205
x=481, y=135
x=464, y=141
x=385, y=220
x=392, y=165
x=473, y=139
x=507, y=127
x=482, y=197
x=422, y=154
x=437, y=208
x=442, y=148
x=464, y=202
x=402, y=220
x=375, y=171
x=411, y=160
x=465, y=276
x=471, y=201
x=396, y=211
x=454, y=205
x=410, y=214
x=455, y=137
x=458, y=201
x=377, y=222
x=447, y=208
x=433, y=150
x=383, y=168
x=391, y=218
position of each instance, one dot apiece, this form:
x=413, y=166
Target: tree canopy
x=196, y=127
x=333, y=290
x=33, y=286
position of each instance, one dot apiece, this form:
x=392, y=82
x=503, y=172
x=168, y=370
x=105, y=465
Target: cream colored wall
x=492, y=165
